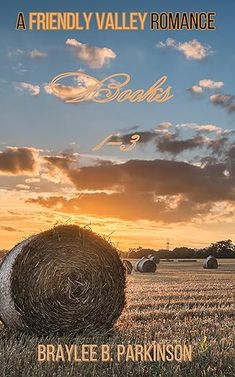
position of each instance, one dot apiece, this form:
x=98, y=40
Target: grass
x=181, y=303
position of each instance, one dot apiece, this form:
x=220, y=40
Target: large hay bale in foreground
x=145, y=265
x=67, y=279
x=210, y=263
x=128, y=266
x=154, y=258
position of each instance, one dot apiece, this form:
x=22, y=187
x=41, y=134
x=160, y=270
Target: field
x=181, y=303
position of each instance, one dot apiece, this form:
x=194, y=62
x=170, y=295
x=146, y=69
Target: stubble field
x=180, y=303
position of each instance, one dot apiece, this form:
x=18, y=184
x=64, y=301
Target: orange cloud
x=158, y=190
x=127, y=206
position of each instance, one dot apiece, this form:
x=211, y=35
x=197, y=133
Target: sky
x=176, y=184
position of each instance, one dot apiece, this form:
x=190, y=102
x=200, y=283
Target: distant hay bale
x=210, y=263
x=128, y=266
x=66, y=279
x=154, y=258
x=145, y=265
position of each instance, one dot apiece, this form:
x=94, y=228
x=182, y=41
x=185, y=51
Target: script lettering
x=111, y=88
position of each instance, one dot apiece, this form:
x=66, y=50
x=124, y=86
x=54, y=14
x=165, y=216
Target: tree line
x=220, y=249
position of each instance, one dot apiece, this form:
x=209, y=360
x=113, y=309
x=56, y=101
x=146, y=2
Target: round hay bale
x=128, y=266
x=145, y=265
x=136, y=264
x=154, y=258
x=210, y=263
x=64, y=280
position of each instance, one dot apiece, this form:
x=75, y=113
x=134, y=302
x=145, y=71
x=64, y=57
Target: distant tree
x=221, y=249
x=183, y=252
x=139, y=252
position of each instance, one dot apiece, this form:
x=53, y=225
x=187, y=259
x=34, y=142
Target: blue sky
x=45, y=121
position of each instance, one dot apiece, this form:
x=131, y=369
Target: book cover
x=117, y=189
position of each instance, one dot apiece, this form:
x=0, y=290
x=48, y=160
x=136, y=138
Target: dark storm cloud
x=169, y=144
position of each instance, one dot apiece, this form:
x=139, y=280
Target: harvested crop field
x=180, y=303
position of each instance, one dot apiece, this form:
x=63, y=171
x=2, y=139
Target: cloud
x=159, y=190
x=47, y=88
x=62, y=161
x=10, y=229
x=163, y=191
x=209, y=84
x=94, y=57
x=15, y=53
x=35, y=54
x=165, y=141
x=202, y=128
x=33, y=90
x=161, y=177
x=22, y=186
x=171, y=43
x=192, y=50
x=195, y=89
x=231, y=152
x=206, y=84
x=126, y=206
x=227, y=101
x=55, y=165
x=219, y=145
x=165, y=125
x=174, y=142
x=19, y=161
x=170, y=144
x=32, y=180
